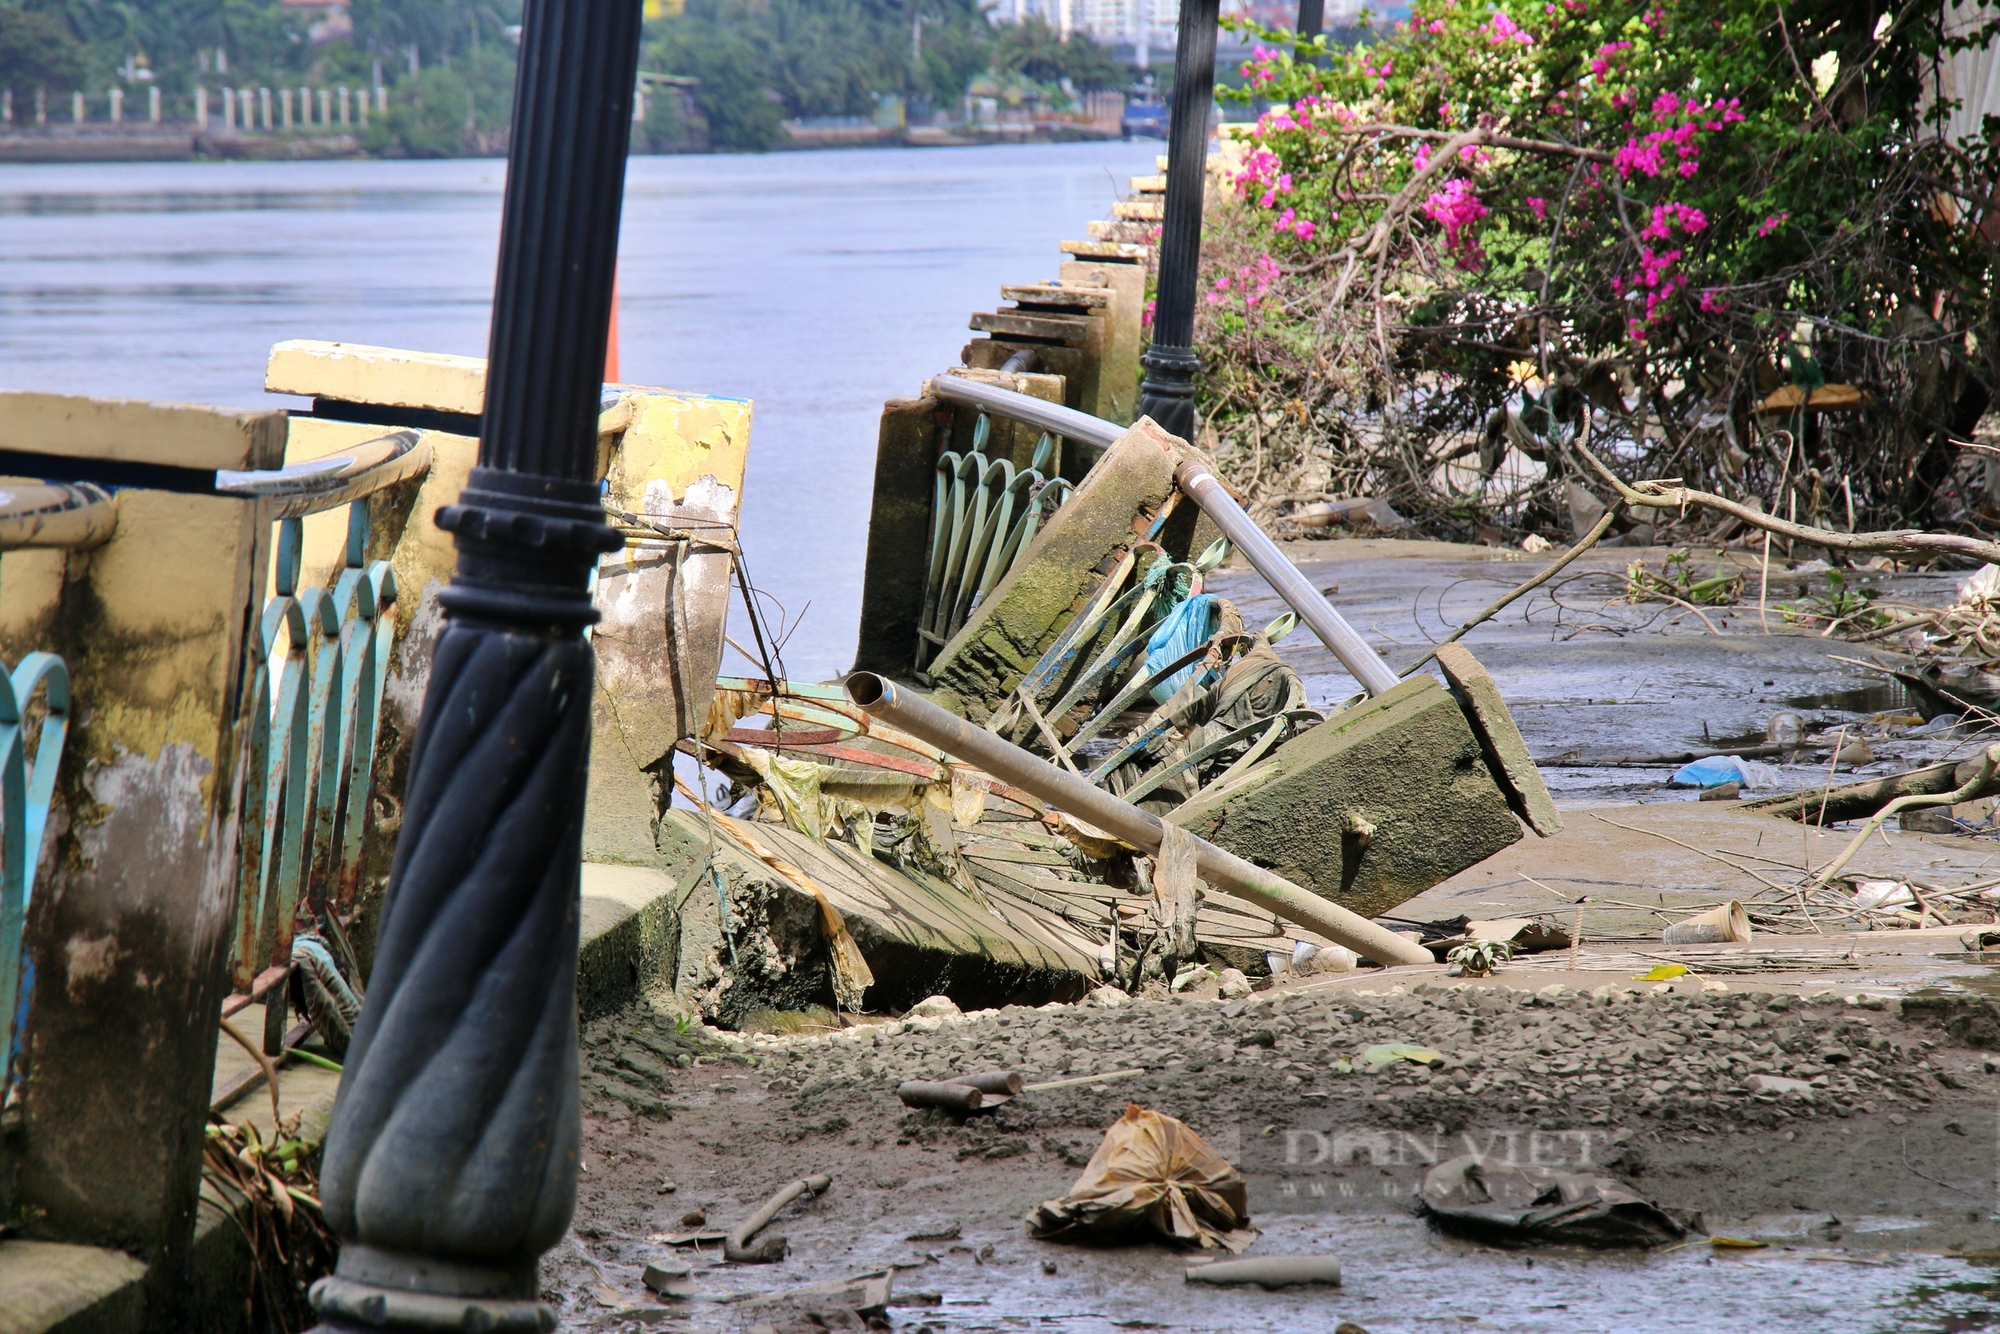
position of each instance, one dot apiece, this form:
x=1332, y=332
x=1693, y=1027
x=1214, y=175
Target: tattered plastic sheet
x=1501, y=1202
x=1152, y=1172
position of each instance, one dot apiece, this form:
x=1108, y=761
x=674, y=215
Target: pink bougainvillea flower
x=1772, y=223
x=1501, y=29
x=1456, y=208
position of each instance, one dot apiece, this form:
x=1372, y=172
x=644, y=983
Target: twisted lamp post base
x=452, y=1164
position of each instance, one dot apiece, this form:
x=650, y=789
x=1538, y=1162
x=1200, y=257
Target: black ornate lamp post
x=1312, y=17
x=451, y=1164
x=1167, y=393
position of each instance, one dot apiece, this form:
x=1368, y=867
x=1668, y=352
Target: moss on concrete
x=1372, y=807
x=1070, y=557
x=630, y=938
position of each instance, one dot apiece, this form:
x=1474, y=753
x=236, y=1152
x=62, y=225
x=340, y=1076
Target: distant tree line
x=761, y=61
x=450, y=63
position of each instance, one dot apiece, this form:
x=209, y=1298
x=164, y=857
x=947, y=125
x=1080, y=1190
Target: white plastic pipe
x=1355, y=655
x=1006, y=761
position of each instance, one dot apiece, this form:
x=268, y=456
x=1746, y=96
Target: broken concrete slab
x=1506, y=753
x=1374, y=805
x=50, y=1288
x=630, y=934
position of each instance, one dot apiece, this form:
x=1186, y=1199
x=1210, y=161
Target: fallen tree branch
x=1550, y=146
x=269, y=1067
x=1374, y=242
x=1669, y=494
x=1965, y=792
x=1590, y=540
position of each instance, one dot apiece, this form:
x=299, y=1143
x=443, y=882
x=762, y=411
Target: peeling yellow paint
x=679, y=439
x=659, y=451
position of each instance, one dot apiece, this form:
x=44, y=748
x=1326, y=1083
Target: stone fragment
x=933, y=1007
x=1506, y=752
x=1777, y=1084
x=1406, y=762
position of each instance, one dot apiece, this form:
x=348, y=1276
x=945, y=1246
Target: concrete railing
x=227, y=760
x=127, y=927
x=34, y=723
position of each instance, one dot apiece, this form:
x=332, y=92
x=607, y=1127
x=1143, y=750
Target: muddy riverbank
x=1861, y=1188
x=1871, y=1191
x=1587, y=673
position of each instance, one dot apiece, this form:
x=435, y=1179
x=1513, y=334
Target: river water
x=817, y=284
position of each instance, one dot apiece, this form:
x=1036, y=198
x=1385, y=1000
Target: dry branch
x=1669, y=494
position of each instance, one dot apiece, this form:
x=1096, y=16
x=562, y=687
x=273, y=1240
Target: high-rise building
x=1142, y=31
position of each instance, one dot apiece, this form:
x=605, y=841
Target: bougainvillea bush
x=1446, y=241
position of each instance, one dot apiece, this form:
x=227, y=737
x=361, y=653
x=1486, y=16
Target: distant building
x=1141, y=32
x=326, y=20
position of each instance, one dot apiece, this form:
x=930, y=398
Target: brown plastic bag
x=1152, y=1170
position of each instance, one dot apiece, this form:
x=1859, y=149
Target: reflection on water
x=818, y=284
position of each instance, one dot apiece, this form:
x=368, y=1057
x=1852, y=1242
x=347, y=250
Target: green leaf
x=1383, y=1053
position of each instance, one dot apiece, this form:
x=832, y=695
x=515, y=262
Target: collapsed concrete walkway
x=1828, y=1094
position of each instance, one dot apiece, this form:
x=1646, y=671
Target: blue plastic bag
x=1186, y=629
x=1715, y=770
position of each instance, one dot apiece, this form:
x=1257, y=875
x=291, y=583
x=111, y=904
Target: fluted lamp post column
x=1312, y=18
x=451, y=1163
x=1167, y=393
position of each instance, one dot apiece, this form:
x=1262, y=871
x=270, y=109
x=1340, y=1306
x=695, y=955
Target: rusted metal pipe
x=1142, y=829
x=999, y=1083
x=736, y=1246
x=1201, y=486
x=933, y=1093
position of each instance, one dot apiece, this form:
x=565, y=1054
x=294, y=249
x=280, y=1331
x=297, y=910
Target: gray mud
x=1588, y=674
x=1862, y=1188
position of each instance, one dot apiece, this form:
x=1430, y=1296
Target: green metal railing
x=984, y=516
x=68, y=516
x=319, y=662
